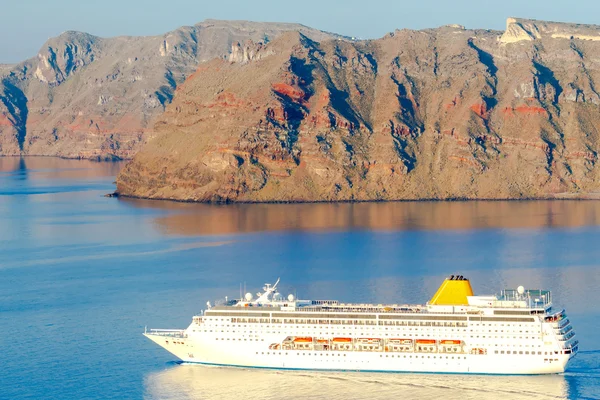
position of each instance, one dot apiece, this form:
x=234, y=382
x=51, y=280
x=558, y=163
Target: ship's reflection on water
x=201, y=382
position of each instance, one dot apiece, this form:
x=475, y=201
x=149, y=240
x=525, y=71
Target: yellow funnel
x=453, y=292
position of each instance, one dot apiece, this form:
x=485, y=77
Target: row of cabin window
x=358, y=322
x=440, y=357
x=345, y=322
x=304, y=354
x=373, y=319
x=476, y=331
x=409, y=334
x=533, y=353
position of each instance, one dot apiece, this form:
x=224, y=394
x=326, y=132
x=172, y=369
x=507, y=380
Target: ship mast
x=264, y=298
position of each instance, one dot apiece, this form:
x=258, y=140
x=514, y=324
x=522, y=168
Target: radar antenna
x=269, y=290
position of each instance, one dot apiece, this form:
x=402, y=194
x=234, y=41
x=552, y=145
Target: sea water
x=82, y=275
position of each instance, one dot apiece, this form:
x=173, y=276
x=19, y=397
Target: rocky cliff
x=434, y=114
x=88, y=97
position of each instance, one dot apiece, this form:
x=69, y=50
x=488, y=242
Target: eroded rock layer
x=88, y=97
x=433, y=114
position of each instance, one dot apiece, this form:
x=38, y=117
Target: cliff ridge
x=84, y=96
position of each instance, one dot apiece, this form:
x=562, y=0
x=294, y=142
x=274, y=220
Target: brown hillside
x=84, y=96
x=440, y=114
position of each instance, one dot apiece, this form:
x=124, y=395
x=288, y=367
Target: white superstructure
x=516, y=332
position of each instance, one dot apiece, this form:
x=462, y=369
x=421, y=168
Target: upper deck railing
x=533, y=298
x=177, y=333
x=329, y=307
x=508, y=299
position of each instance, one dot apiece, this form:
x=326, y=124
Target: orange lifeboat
x=425, y=341
x=342, y=340
x=322, y=341
x=303, y=340
x=450, y=341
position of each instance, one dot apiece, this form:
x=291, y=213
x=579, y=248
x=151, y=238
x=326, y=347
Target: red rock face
x=415, y=115
x=283, y=89
x=4, y=121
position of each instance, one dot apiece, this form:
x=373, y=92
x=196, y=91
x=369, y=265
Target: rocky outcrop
x=436, y=114
x=62, y=56
x=518, y=29
x=88, y=97
x=249, y=51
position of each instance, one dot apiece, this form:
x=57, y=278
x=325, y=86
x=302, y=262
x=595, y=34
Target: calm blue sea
x=81, y=275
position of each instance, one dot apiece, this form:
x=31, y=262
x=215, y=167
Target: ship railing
x=557, y=316
x=180, y=333
x=564, y=330
x=567, y=336
x=331, y=308
x=562, y=323
x=534, y=298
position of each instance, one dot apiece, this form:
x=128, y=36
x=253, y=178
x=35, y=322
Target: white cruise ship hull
x=514, y=333
x=254, y=355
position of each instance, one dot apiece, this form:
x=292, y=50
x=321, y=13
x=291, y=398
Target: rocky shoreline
x=557, y=197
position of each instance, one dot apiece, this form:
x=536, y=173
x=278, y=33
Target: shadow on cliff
x=16, y=103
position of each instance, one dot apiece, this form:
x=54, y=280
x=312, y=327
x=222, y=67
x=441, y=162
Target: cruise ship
x=514, y=332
